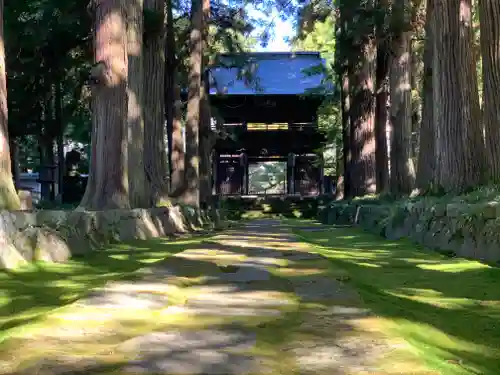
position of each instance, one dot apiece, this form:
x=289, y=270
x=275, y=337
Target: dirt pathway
x=253, y=300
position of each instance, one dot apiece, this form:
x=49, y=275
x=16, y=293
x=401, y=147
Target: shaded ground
x=447, y=308
x=253, y=300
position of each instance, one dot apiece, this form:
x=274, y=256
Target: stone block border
x=466, y=230
x=55, y=236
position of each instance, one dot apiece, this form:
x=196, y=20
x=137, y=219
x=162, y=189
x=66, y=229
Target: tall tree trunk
x=402, y=170
x=207, y=140
x=90, y=187
x=206, y=137
x=381, y=117
x=343, y=188
x=174, y=110
x=460, y=145
x=155, y=155
x=426, y=151
x=9, y=200
x=15, y=165
x=192, y=195
x=346, y=141
x=109, y=76
x=46, y=143
x=137, y=181
x=59, y=140
x=339, y=169
x=489, y=13
x=362, y=113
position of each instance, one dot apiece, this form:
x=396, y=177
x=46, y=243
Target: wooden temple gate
x=275, y=122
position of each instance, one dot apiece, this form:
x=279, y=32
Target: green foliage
x=317, y=33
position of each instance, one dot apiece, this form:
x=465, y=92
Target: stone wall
x=462, y=229
x=57, y=235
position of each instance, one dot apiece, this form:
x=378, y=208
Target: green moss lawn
x=448, y=309
x=28, y=294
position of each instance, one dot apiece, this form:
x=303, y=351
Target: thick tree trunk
x=460, y=145
x=137, y=181
x=9, y=200
x=402, y=169
x=173, y=110
x=109, y=92
x=426, y=154
x=362, y=122
x=192, y=194
x=155, y=155
x=489, y=12
x=381, y=117
x=206, y=137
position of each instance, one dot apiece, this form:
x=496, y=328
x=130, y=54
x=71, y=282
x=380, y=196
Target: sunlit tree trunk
x=9, y=200
x=402, y=169
x=173, y=110
x=192, y=194
x=155, y=155
x=362, y=112
x=109, y=91
x=489, y=12
x=426, y=154
x=460, y=146
x=137, y=180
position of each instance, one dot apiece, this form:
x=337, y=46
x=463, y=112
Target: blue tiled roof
x=267, y=73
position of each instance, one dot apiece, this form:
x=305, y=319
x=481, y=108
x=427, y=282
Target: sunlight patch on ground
x=295, y=315
x=453, y=267
x=451, y=321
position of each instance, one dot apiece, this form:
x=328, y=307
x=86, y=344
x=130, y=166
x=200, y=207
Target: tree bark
x=192, y=194
x=460, y=146
x=174, y=110
x=137, y=181
x=59, y=139
x=381, y=117
x=343, y=188
x=339, y=169
x=109, y=76
x=207, y=138
x=489, y=13
x=15, y=165
x=46, y=142
x=346, y=141
x=155, y=155
x=402, y=169
x=9, y=200
x=427, y=154
x=362, y=119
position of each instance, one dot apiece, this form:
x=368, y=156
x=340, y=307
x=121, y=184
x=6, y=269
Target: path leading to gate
x=253, y=300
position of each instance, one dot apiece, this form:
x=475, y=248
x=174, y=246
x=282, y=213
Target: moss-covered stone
x=470, y=230
x=54, y=236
